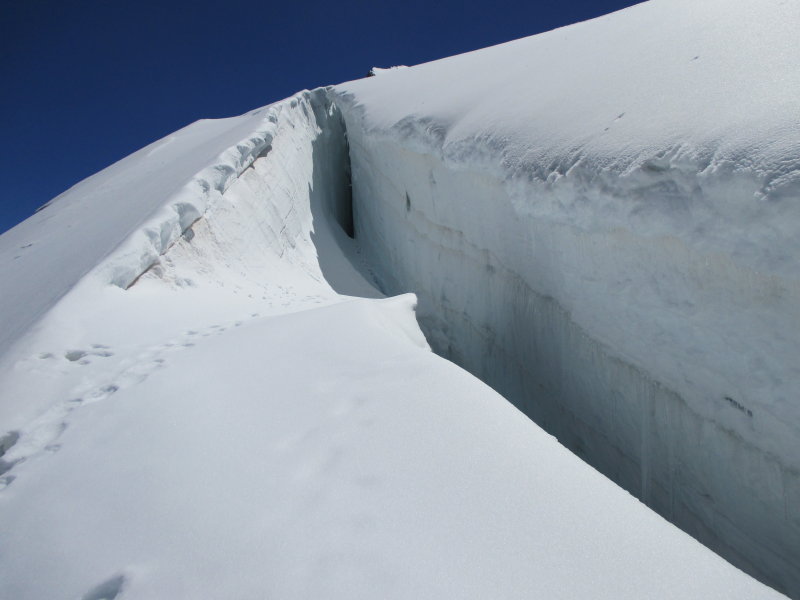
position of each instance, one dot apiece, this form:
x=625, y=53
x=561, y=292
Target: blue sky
x=86, y=83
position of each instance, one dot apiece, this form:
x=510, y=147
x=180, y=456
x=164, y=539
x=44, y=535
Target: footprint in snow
x=108, y=590
x=6, y=443
x=40, y=437
x=101, y=393
x=82, y=356
x=74, y=355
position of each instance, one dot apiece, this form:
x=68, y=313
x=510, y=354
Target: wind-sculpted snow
x=147, y=198
x=602, y=222
x=203, y=395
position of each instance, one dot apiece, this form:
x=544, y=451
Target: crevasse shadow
x=330, y=198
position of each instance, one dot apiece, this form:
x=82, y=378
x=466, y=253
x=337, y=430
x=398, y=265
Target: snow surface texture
x=205, y=414
x=603, y=223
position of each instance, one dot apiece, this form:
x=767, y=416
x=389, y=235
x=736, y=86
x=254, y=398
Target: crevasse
x=473, y=496
x=662, y=362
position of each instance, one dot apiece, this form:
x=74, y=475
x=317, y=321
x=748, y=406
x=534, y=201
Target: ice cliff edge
x=603, y=223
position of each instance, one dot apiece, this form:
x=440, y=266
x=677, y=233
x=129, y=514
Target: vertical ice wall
x=669, y=367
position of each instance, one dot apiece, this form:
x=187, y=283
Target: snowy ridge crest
x=142, y=249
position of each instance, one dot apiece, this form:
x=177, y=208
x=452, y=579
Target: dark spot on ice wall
x=738, y=406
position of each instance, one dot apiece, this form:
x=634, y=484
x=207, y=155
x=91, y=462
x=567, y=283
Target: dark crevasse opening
x=331, y=203
x=331, y=170
x=345, y=211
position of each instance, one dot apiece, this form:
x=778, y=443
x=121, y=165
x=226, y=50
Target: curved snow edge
x=143, y=248
x=747, y=189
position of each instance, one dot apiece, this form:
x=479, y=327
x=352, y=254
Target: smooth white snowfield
x=202, y=397
x=603, y=223
x=229, y=426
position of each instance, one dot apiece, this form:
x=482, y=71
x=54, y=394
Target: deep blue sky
x=85, y=83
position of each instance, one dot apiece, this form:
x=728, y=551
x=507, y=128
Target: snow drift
x=204, y=395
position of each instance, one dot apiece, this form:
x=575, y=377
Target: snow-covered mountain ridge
x=206, y=396
x=225, y=424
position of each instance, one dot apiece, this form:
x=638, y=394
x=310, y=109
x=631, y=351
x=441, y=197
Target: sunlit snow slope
x=603, y=223
x=202, y=394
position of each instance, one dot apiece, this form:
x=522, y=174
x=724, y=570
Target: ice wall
x=225, y=371
x=667, y=361
x=283, y=220
x=276, y=195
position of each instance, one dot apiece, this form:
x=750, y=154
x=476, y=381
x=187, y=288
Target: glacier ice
x=245, y=415
x=668, y=370
x=202, y=393
x=602, y=223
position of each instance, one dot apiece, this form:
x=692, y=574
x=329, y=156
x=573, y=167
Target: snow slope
x=602, y=222
x=83, y=225
x=203, y=395
x=204, y=414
